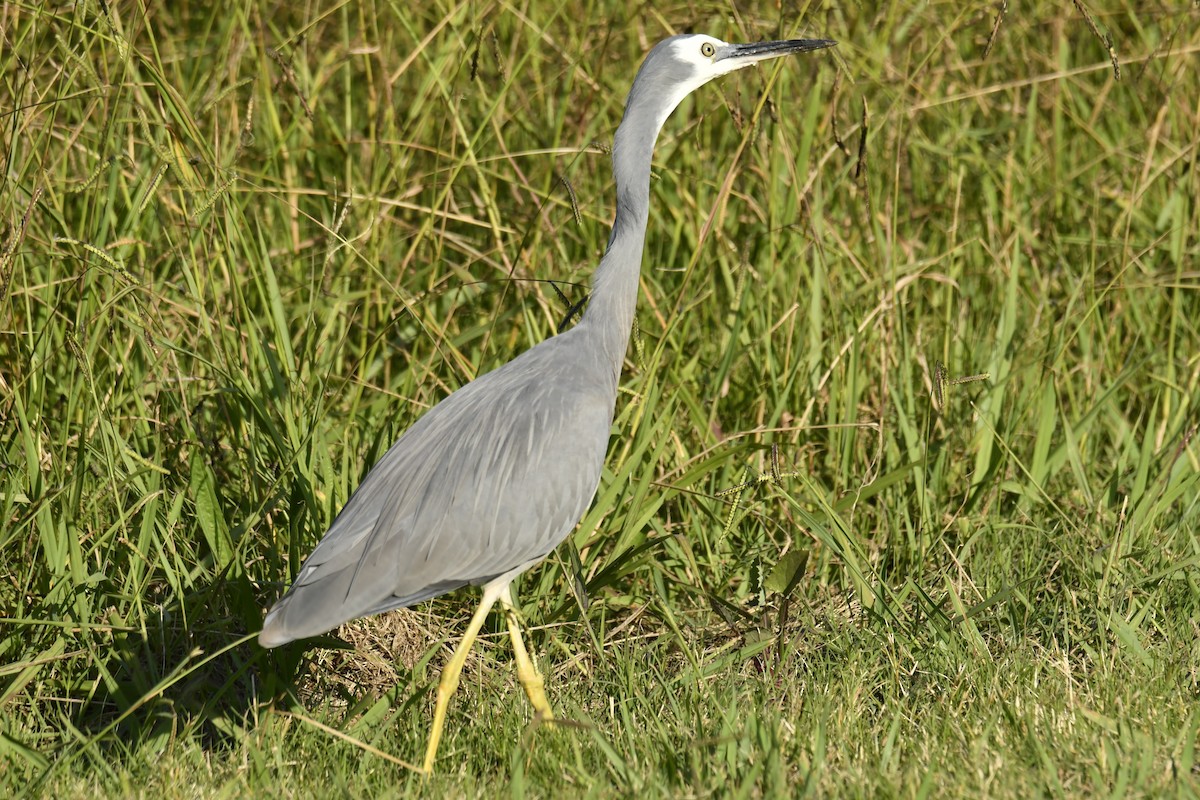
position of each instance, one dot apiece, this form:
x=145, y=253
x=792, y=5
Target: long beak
x=747, y=54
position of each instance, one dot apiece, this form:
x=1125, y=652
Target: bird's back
x=489, y=480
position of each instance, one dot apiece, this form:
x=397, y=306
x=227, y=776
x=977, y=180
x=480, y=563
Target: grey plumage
x=490, y=480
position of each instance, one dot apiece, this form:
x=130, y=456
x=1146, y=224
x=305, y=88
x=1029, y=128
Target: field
x=903, y=492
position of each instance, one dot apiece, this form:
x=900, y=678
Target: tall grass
x=242, y=248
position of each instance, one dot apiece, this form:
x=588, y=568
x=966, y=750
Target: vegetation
x=243, y=246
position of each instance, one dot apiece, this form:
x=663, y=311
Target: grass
x=243, y=248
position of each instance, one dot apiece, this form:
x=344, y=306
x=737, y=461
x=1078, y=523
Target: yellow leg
x=450, y=673
x=531, y=680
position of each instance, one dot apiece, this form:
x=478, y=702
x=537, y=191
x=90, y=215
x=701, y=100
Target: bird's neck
x=615, y=285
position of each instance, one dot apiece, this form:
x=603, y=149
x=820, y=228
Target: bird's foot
x=544, y=716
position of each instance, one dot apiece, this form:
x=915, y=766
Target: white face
x=696, y=48
x=703, y=53
x=690, y=62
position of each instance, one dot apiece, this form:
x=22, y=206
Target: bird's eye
x=707, y=50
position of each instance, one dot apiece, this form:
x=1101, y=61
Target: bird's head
x=681, y=64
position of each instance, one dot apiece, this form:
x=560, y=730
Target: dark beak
x=761, y=51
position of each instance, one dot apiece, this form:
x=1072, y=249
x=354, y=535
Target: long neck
x=611, y=306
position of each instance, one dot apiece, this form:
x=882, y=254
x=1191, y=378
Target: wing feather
x=492, y=478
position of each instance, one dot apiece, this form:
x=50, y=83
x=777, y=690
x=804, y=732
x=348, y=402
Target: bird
x=490, y=480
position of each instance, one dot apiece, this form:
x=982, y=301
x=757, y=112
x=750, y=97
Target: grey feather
x=491, y=479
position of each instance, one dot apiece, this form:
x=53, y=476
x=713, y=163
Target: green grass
x=242, y=249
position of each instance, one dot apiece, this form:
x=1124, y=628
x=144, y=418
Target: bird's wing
x=490, y=479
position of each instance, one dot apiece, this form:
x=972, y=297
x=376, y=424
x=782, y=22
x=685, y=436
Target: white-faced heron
x=489, y=481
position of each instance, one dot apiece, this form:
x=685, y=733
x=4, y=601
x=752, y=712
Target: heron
x=490, y=480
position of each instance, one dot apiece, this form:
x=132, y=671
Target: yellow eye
x=707, y=50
